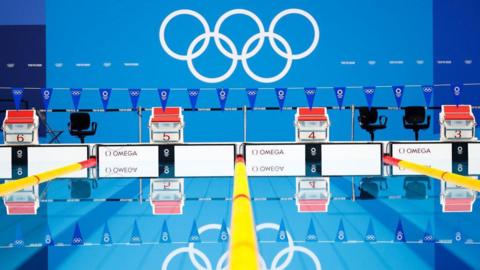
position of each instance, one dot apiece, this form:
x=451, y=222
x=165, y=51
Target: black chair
x=79, y=126
x=371, y=186
x=414, y=119
x=368, y=120
x=416, y=187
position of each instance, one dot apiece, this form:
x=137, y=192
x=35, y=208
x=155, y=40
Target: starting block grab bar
x=262, y=159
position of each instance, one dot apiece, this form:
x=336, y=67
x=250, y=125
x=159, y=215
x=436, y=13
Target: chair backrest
x=368, y=116
x=415, y=114
x=79, y=121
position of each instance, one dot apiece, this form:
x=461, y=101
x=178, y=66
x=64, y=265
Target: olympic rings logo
x=369, y=91
x=134, y=93
x=194, y=253
x=428, y=89
x=76, y=92
x=17, y=92
x=310, y=92
x=252, y=93
x=193, y=93
x=245, y=52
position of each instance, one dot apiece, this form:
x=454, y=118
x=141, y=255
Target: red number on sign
x=311, y=135
x=166, y=137
x=458, y=134
x=20, y=138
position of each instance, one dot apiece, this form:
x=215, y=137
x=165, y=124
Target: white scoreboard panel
x=5, y=162
x=339, y=159
x=314, y=159
x=474, y=158
x=165, y=160
x=25, y=160
x=119, y=161
x=45, y=158
x=436, y=155
x=275, y=159
x=204, y=160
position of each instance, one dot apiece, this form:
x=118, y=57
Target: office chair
x=414, y=119
x=79, y=126
x=368, y=120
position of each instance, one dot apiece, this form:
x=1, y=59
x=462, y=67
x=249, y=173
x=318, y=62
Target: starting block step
x=314, y=159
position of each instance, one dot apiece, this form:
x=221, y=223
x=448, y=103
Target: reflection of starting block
x=456, y=199
x=312, y=124
x=166, y=196
x=166, y=126
x=313, y=194
x=457, y=123
x=20, y=127
x=23, y=202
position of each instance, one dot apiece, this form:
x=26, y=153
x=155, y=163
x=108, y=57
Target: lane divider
x=459, y=180
x=243, y=241
x=36, y=179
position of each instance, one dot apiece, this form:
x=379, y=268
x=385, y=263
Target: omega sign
x=418, y=150
x=435, y=155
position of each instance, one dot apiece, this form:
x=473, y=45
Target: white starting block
x=312, y=125
x=20, y=127
x=457, y=123
x=313, y=194
x=166, y=126
x=166, y=196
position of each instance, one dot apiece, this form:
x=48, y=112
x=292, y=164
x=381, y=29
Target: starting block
x=20, y=127
x=312, y=124
x=313, y=194
x=457, y=123
x=166, y=196
x=166, y=125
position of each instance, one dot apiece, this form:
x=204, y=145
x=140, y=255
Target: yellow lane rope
x=36, y=179
x=243, y=240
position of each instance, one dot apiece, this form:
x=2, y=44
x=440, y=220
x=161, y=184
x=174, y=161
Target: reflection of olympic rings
x=77, y=240
x=206, y=264
x=310, y=92
x=370, y=237
x=233, y=53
